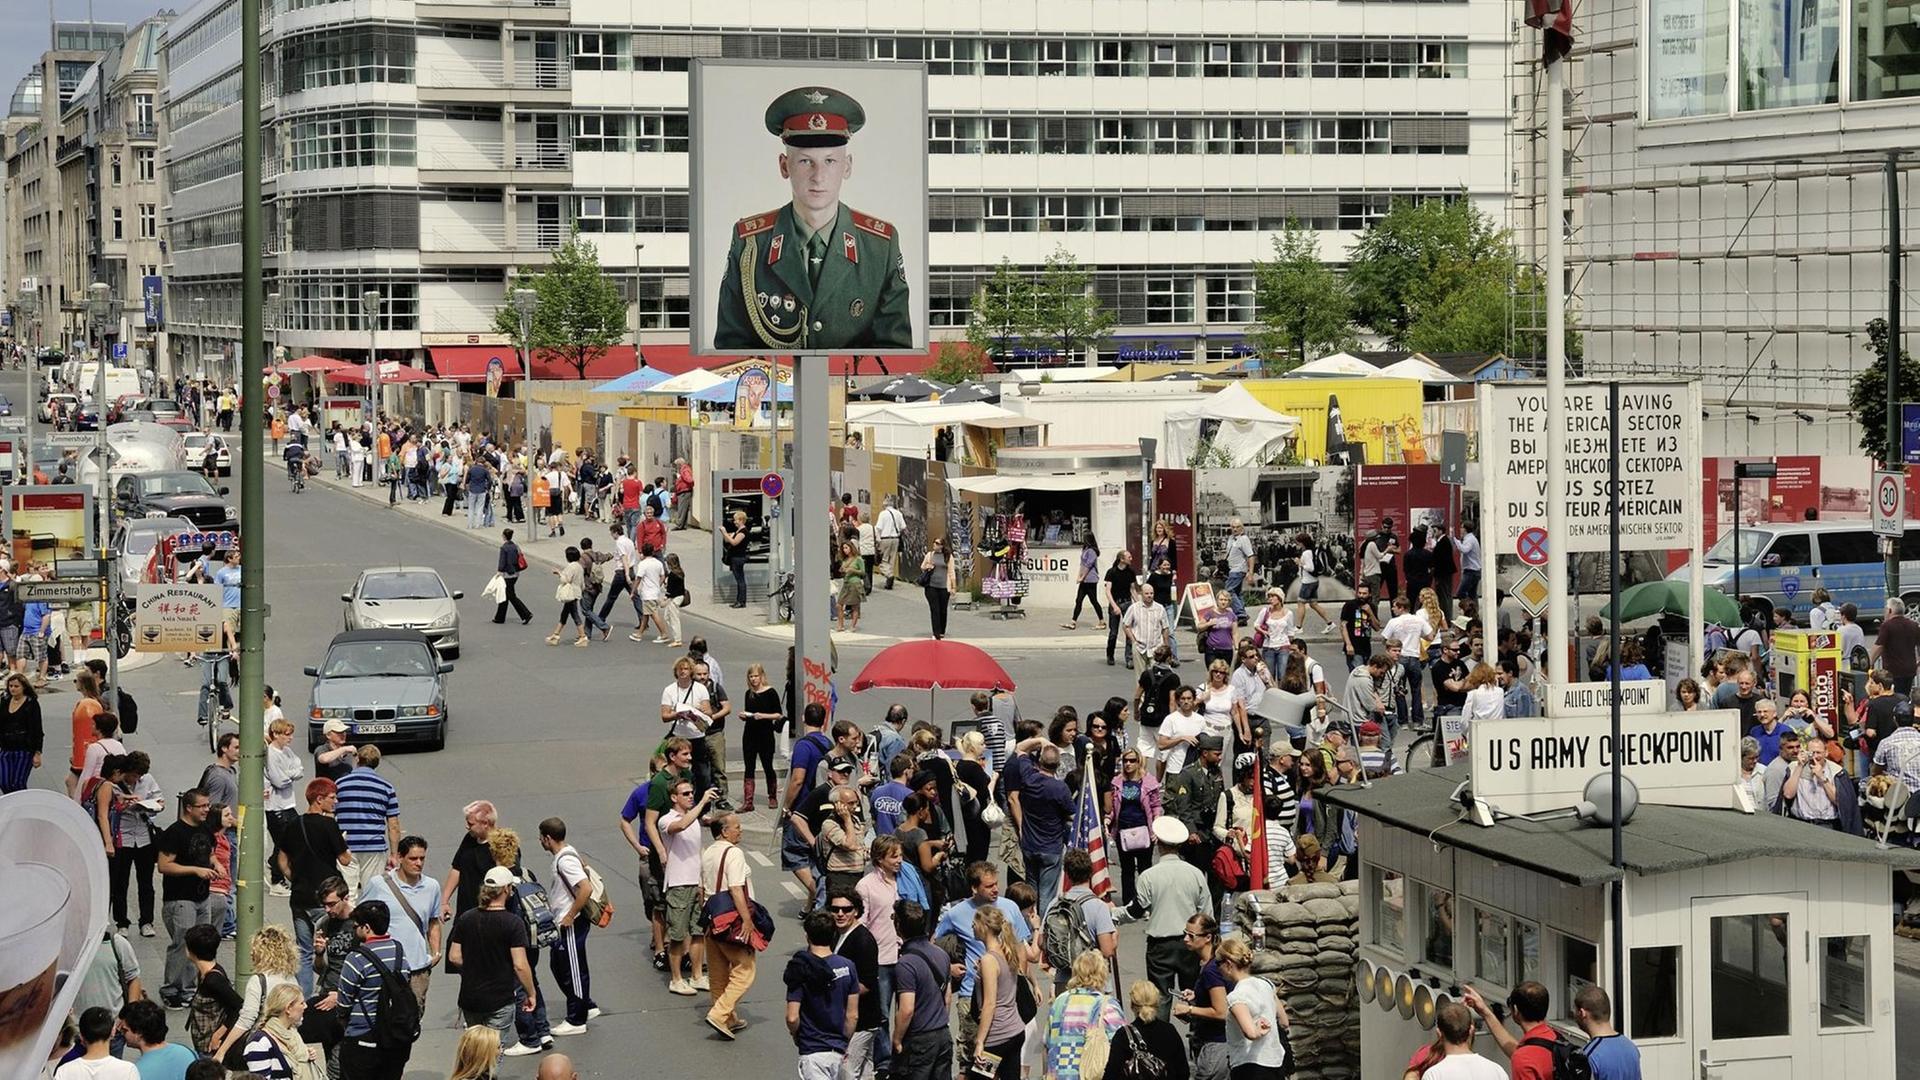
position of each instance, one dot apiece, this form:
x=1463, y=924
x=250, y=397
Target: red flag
x=1257, y=854
x=1556, y=18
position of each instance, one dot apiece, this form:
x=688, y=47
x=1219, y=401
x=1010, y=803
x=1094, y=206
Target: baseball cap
x=840, y=765
x=335, y=725
x=499, y=877
x=1371, y=727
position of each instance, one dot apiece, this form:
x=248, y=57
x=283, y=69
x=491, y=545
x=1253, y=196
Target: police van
x=1783, y=562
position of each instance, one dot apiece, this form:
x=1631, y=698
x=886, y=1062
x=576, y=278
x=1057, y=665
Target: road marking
x=761, y=858
x=794, y=890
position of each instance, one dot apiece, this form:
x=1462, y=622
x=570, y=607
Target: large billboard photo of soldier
x=808, y=230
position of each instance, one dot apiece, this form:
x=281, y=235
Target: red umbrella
x=402, y=374
x=933, y=665
x=315, y=365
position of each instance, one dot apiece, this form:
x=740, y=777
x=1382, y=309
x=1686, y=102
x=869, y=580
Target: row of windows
x=367, y=54
x=335, y=305
x=205, y=101
x=211, y=164
x=630, y=213
x=212, y=230
x=149, y=222
x=630, y=132
x=204, y=34
x=345, y=141
x=971, y=135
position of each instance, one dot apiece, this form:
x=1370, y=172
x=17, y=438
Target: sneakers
x=660, y=640
x=564, y=1028
x=635, y=636
x=702, y=983
x=146, y=929
x=593, y=1014
x=725, y=1031
x=677, y=986
x=279, y=890
x=521, y=1050
x=659, y=961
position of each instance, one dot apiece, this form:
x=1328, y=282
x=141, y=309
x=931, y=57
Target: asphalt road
x=558, y=731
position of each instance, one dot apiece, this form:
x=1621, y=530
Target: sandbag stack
x=1305, y=946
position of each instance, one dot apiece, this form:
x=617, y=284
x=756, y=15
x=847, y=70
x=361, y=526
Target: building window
x=1436, y=943
x=337, y=141
x=1389, y=908
x=1492, y=947
x=1789, y=56
x=602, y=52
x=1843, y=982
x=1748, y=976
x=143, y=166
x=1653, y=1004
x=1230, y=299
x=149, y=222
x=113, y=170
x=143, y=110
x=1579, y=969
x=1886, y=50
x=119, y=224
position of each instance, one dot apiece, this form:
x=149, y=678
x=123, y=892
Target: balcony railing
x=490, y=155
x=492, y=75
x=492, y=236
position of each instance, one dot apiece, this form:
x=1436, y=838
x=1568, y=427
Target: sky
x=28, y=34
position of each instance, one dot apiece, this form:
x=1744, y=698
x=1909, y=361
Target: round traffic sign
x=1532, y=546
x=273, y=391
x=771, y=485
x=1886, y=495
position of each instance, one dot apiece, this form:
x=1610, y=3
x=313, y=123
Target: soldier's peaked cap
x=814, y=116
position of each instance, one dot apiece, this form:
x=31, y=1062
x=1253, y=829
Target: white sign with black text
x=1596, y=698
x=1659, y=477
x=1674, y=759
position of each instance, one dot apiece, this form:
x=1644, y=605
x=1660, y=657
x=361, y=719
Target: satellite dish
x=1596, y=801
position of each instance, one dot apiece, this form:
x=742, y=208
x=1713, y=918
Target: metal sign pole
x=812, y=499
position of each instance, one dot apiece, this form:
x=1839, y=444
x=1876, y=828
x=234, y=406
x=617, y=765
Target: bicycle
x=783, y=597
x=120, y=637
x=215, y=705
x=297, y=474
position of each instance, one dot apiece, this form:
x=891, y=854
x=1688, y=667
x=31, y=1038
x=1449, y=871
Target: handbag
x=1136, y=838
x=520, y=560
x=1228, y=868
x=722, y=920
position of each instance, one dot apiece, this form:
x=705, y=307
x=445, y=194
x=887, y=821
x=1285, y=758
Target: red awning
x=612, y=364
x=468, y=363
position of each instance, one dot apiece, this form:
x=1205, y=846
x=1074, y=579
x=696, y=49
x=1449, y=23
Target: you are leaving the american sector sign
x=1657, y=489
x=1675, y=759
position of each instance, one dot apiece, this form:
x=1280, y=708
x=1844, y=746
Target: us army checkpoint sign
x=808, y=216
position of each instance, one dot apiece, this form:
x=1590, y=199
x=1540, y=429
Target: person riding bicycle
x=296, y=455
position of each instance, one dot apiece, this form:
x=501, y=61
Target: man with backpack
x=796, y=839
x=577, y=890
x=383, y=1017
x=922, y=1042
x=490, y=945
x=1538, y=1053
x=1078, y=920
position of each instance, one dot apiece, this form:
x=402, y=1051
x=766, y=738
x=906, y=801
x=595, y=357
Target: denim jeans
x=500, y=1019
x=1113, y=637
x=532, y=1027
x=177, y=916
x=1416, y=693
x=476, y=508
x=304, y=920
x=1469, y=585
x=1236, y=579
x=1043, y=869
x=1173, y=625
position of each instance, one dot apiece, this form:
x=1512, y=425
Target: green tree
x=1001, y=315
x=1067, y=318
x=1302, y=305
x=955, y=363
x=1478, y=316
x=1867, y=397
x=1418, y=255
x=579, y=313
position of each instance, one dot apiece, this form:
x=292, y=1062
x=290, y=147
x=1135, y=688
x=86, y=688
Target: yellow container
x=1384, y=415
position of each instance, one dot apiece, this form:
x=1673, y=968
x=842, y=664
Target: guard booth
x=1757, y=947
x=746, y=491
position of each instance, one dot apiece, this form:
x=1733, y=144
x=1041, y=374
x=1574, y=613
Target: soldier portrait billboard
x=808, y=229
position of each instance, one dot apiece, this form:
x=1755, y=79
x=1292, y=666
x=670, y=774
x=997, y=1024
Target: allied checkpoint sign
x=1659, y=470
x=1527, y=766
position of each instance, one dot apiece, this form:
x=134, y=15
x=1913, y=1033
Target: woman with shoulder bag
x=275, y=966
x=1136, y=805
x=934, y=580
x=1082, y=1022
x=568, y=593
x=275, y=1051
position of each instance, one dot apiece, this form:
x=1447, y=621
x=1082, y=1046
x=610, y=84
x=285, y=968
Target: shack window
x=1580, y=966
x=1436, y=944
x=1749, y=979
x=1390, y=911
x=1653, y=1005
x=1493, y=947
x=1843, y=982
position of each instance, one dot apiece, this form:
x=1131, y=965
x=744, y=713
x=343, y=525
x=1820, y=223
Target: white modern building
x=1729, y=209
x=422, y=150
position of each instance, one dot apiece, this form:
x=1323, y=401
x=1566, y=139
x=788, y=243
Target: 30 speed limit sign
x=1889, y=504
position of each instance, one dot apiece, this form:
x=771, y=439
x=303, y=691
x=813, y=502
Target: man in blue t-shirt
x=957, y=920
x=145, y=1024
x=1612, y=1055
x=636, y=809
x=1046, y=805
x=796, y=854
x=888, y=797
x=823, y=994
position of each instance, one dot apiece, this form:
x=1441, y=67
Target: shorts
x=649, y=879
x=10, y=640
x=1309, y=589
x=33, y=648
x=794, y=854
x=683, y=908
x=232, y=616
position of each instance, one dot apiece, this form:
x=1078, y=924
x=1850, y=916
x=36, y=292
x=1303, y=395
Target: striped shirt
x=367, y=800
x=360, y=981
x=265, y=1060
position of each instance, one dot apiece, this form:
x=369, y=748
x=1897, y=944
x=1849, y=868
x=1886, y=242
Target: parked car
x=176, y=493
x=58, y=405
x=197, y=443
x=388, y=686
x=134, y=541
x=406, y=597
x=1781, y=563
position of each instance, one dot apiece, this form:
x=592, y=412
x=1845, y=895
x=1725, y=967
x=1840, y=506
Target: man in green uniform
x=814, y=274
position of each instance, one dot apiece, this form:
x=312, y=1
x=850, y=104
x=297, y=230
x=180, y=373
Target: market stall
x=1052, y=499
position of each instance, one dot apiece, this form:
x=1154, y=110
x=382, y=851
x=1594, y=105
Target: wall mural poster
x=913, y=505
x=1173, y=504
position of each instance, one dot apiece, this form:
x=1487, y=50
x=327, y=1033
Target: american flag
x=1087, y=832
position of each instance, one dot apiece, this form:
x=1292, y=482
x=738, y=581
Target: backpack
x=396, y=1021
x=598, y=909
x=1142, y=1063
x=537, y=910
x=1568, y=1063
x=1064, y=933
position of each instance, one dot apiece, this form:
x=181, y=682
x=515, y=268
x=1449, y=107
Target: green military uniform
x=1192, y=795
x=843, y=287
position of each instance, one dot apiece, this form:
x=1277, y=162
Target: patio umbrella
x=1179, y=376
x=312, y=365
x=903, y=388
x=932, y=665
x=403, y=374
x=966, y=392
x=1670, y=598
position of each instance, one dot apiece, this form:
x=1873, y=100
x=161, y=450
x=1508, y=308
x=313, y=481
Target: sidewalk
x=888, y=616
x=1906, y=952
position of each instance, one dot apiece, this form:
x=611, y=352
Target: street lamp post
x=200, y=323
x=99, y=306
x=370, y=306
x=29, y=305
x=272, y=314
x=524, y=301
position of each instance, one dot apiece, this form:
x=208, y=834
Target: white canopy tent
x=687, y=382
x=1338, y=365
x=1237, y=425
x=1416, y=367
x=908, y=427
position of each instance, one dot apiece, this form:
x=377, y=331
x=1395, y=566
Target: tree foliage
x=1002, y=312
x=1419, y=255
x=1867, y=397
x=954, y=363
x=1303, y=308
x=579, y=313
x=1067, y=318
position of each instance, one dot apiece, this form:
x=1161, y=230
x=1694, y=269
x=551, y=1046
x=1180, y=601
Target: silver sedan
x=406, y=598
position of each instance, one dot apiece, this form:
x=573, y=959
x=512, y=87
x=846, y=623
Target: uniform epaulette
x=872, y=224
x=758, y=223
